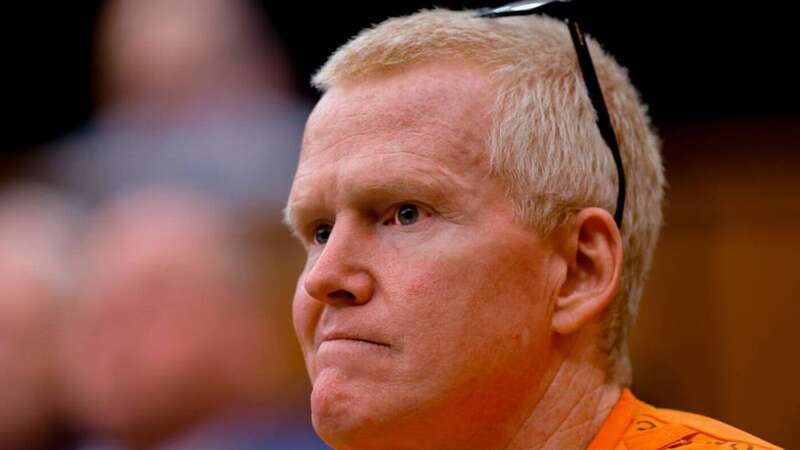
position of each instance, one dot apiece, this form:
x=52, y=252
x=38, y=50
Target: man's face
x=424, y=305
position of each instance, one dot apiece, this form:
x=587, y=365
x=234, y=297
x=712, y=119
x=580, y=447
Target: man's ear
x=592, y=247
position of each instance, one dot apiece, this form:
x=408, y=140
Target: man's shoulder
x=635, y=425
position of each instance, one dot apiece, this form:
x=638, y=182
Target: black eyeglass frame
x=565, y=11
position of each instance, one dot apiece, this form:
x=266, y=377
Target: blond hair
x=543, y=142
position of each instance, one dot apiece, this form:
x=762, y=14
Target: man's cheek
x=436, y=310
x=304, y=321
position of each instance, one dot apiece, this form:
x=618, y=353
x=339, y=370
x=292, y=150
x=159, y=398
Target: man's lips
x=353, y=337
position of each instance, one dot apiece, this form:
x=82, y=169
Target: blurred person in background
x=191, y=93
x=171, y=345
x=37, y=233
x=195, y=92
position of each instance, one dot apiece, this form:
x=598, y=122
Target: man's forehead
x=423, y=126
x=448, y=98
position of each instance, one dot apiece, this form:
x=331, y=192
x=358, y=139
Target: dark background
x=707, y=60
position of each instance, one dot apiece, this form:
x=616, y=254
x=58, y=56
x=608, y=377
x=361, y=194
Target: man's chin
x=334, y=404
x=344, y=411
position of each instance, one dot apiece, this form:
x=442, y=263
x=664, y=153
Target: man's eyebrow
x=295, y=213
x=433, y=189
x=303, y=207
x=288, y=218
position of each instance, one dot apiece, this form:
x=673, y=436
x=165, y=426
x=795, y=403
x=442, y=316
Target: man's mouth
x=350, y=337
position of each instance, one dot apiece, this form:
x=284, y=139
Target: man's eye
x=407, y=214
x=322, y=233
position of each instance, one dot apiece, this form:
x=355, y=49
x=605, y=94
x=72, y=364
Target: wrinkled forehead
x=450, y=101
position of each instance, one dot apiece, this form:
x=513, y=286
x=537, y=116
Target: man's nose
x=339, y=276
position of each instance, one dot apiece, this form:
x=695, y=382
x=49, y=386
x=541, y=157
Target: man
x=467, y=286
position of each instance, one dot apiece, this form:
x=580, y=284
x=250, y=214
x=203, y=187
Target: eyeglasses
x=565, y=11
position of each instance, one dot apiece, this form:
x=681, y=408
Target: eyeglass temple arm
x=599, y=104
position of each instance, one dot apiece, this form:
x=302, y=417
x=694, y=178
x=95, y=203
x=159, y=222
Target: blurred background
x=144, y=136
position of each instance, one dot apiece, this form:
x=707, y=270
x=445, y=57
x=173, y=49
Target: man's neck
x=572, y=409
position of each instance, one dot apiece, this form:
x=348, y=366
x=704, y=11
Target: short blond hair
x=543, y=143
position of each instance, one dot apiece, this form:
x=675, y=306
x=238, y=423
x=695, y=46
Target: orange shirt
x=634, y=425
